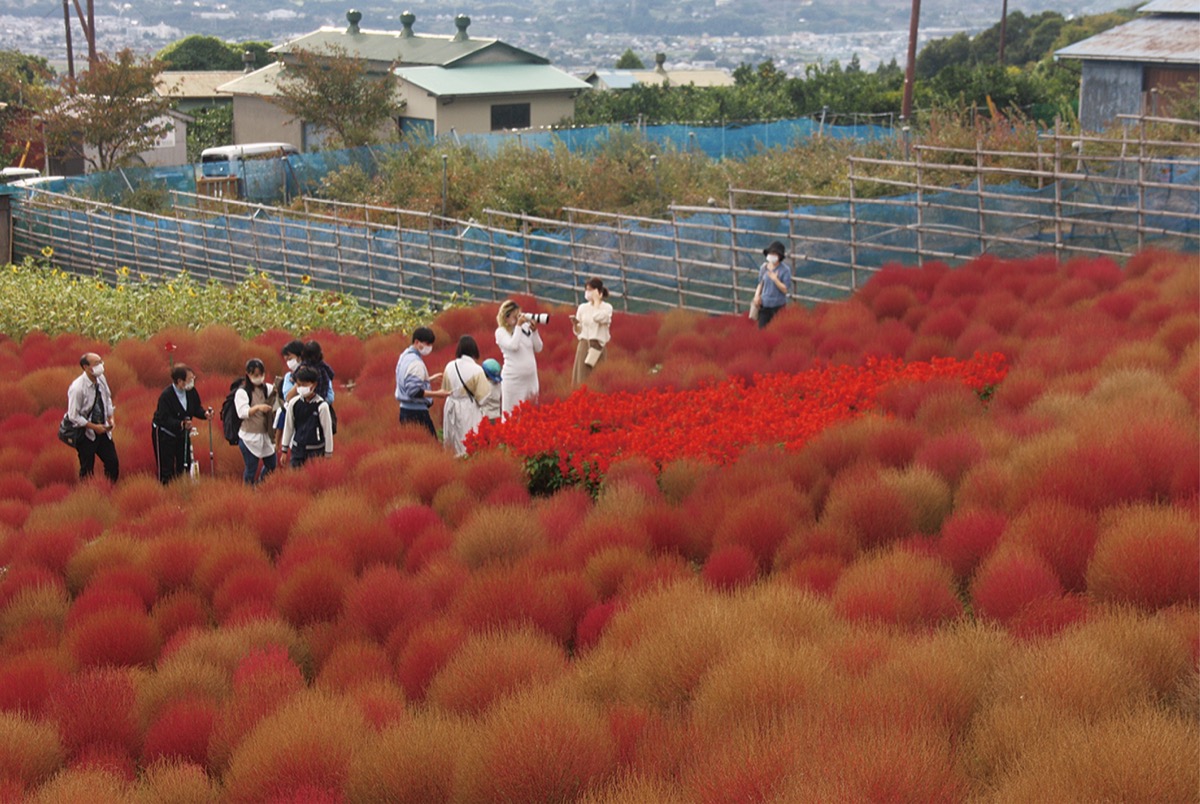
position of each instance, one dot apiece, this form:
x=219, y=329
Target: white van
x=11, y=175
x=227, y=160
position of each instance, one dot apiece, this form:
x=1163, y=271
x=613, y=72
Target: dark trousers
x=170, y=453
x=250, y=475
x=105, y=448
x=765, y=314
x=420, y=418
x=300, y=455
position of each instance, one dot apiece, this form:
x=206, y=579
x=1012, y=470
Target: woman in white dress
x=519, y=343
x=591, y=323
x=468, y=386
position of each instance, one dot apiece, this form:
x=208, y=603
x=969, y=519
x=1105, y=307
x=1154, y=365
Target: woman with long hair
x=519, y=343
x=591, y=323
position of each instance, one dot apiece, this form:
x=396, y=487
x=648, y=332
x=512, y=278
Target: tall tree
x=198, y=52
x=112, y=107
x=337, y=93
x=630, y=61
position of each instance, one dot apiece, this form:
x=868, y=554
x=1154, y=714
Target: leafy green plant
x=39, y=296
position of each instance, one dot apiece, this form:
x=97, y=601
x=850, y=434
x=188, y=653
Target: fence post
x=1141, y=194
x=678, y=264
x=853, y=230
x=432, y=257
x=492, y=255
x=1058, y=221
x=979, y=190
x=525, y=253
x=733, y=256
x=621, y=265
x=399, y=257
x=6, y=229
x=920, y=211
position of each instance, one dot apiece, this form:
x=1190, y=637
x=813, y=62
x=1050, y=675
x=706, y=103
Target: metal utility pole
x=1003, y=29
x=910, y=67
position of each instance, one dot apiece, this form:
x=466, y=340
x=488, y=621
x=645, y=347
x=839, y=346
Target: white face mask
x=303, y=391
x=189, y=385
x=292, y=363
x=257, y=380
x=424, y=349
x=98, y=370
x=773, y=259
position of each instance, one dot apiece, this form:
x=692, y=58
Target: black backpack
x=230, y=423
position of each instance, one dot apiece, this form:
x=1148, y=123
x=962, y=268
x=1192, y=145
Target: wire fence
x=1089, y=196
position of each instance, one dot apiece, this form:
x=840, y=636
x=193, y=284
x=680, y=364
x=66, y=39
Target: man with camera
x=414, y=383
x=519, y=342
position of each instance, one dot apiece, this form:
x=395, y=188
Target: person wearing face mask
x=252, y=401
x=90, y=407
x=414, y=383
x=591, y=323
x=171, y=427
x=307, y=424
x=774, y=283
x=292, y=354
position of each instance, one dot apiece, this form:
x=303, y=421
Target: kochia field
x=938, y=542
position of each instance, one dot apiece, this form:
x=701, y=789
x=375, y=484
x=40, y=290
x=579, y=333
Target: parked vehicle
x=254, y=171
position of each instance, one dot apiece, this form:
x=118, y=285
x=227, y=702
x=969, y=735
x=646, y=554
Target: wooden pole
x=910, y=67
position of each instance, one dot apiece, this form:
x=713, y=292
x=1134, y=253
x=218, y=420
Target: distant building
x=446, y=82
x=1143, y=64
x=168, y=151
x=625, y=79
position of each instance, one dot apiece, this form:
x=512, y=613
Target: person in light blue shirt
x=414, y=383
x=774, y=283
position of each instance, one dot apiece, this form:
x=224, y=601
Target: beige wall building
x=446, y=82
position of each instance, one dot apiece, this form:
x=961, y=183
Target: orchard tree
x=112, y=107
x=337, y=93
x=19, y=75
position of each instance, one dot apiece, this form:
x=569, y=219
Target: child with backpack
x=307, y=423
x=252, y=417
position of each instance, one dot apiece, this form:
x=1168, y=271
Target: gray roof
x=1171, y=7
x=491, y=79
x=262, y=81
x=388, y=47
x=1155, y=39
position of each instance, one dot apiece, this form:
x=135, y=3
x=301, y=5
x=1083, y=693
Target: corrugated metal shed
x=491, y=79
x=1171, y=7
x=389, y=47
x=1155, y=39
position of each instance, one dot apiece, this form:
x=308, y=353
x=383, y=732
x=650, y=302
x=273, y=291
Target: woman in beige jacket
x=591, y=322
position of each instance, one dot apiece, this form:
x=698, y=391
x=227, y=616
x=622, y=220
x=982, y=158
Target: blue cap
x=491, y=367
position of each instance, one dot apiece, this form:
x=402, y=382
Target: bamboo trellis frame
x=1111, y=196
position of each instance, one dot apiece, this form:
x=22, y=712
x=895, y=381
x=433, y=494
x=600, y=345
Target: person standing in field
x=90, y=406
x=519, y=343
x=774, y=283
x=171, y=427
x=307, y=423
x=591, y=323
x=467, y=386
x=414, y=383
x=252, y=401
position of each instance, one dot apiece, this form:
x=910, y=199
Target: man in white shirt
x=90, y=406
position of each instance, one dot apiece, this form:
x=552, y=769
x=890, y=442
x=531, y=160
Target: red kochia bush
x=1146, y=556
x=1010, y=580
x=969, y=536
x=114, y=637
x=96, y=707
x=27, y=680
x=1063, y=534
x=181, y=732
x=425, y=653
x=730, y=567
x=899, y=588
x=312, y=593
x=383, y=598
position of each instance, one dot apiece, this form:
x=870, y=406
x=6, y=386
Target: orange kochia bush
x=725, y=616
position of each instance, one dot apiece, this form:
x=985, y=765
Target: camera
x=536, y=318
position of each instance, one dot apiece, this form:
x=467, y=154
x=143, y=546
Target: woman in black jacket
x=171, y=428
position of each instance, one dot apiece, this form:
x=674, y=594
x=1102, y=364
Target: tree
x=199, y=52
x=209, y=128
x=630, y=61
x=335, y=92
x=112, y=107
x=19, y=74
